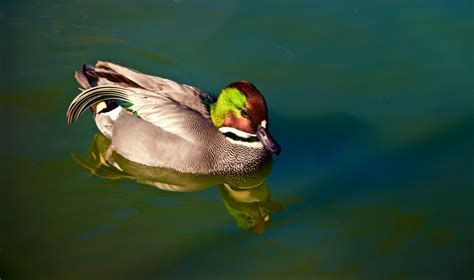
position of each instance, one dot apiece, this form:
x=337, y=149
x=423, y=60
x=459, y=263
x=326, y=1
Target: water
x=372, y=102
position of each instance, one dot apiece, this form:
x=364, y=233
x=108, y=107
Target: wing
x=171, y=106
x=184, y=95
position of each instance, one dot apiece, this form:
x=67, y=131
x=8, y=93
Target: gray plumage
x=166, y=125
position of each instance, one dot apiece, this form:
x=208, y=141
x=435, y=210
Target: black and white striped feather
x=159, y=109
x=162, y=102
x=91, y=96
x=184, y=95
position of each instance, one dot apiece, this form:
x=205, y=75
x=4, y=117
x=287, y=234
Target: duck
x=158, y=122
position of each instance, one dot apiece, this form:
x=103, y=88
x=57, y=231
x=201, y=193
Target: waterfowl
x=160, y=123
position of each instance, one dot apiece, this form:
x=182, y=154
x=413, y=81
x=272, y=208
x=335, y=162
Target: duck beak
x=267, y=140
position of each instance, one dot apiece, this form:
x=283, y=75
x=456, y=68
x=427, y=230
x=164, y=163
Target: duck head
x=240, y=113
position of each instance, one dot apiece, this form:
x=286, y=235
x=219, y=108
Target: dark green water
x=372, y=102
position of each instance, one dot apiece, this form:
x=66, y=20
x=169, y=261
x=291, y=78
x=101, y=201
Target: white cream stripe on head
x=243, y=135
x=237, y=132
x=256, y=144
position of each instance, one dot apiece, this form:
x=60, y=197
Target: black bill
x=267, y=140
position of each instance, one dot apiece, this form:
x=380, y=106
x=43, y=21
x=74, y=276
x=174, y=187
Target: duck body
x=159, y=123
x=208, y=151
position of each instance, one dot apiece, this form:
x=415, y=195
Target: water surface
x=372, y=102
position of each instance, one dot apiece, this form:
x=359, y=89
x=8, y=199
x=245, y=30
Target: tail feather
x=99, y=75
x=84, y=77
x=92, y=96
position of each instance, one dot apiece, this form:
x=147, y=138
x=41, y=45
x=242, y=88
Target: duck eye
x=245, y=113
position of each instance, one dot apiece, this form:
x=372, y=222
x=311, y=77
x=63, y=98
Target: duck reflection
x=246, y=198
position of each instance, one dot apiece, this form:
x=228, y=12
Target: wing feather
x=160, y=110
x=182, y=94
x=162, y=102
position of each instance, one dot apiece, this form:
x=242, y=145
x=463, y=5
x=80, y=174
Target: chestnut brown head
x=241, y=112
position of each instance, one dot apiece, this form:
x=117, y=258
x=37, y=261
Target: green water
x=372, y=102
